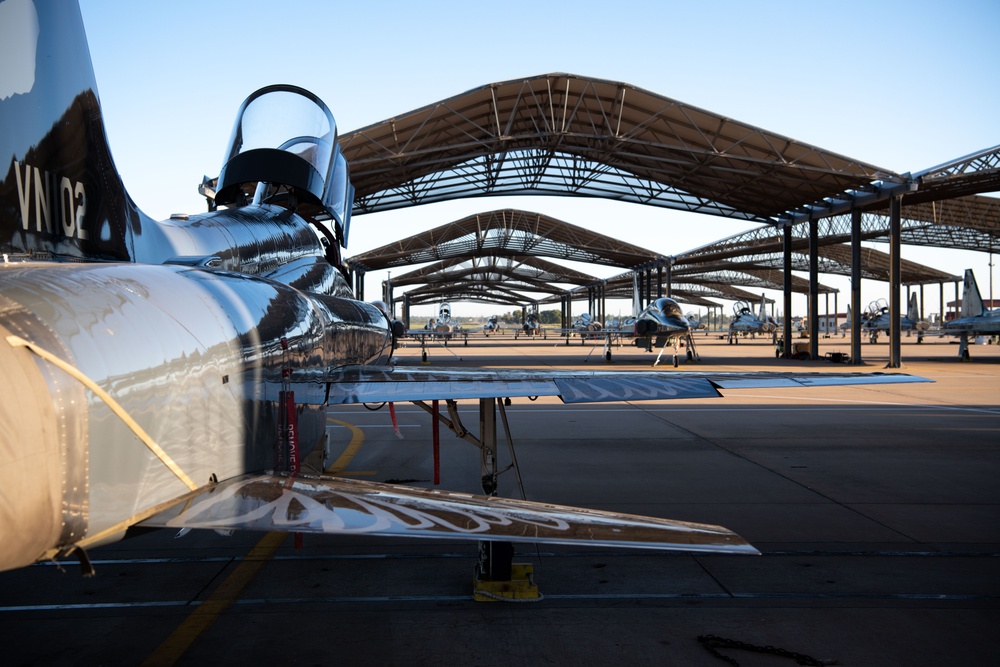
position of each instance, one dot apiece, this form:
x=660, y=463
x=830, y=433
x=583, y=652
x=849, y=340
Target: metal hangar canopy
x=564, y=134
x=505, y=232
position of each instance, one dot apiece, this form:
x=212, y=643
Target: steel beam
x=856, y=287
x=895, y=206
x=787, y=291
x=814, y=289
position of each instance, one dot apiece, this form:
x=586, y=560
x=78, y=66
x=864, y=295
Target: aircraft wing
x=326, y=504
x=368, y=384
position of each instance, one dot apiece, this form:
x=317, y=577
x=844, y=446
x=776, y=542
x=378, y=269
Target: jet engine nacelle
x=193, y=358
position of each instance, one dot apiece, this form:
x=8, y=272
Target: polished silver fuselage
x=196, y=351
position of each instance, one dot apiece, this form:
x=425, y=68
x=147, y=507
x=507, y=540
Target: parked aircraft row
x=974, y=320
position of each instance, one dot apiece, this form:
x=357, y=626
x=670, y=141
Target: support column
x=787, y=289
x=826, y=314
x=895, y=235
x=856, y=287
x=813, y=289
x=569, y=316
x=359, y=285
x=495, y=558
x=836, y=314
x=941, y=301
x=604, y=303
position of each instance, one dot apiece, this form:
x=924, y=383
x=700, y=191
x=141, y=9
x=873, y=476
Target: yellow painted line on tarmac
x=174, y=647
x=357, y=439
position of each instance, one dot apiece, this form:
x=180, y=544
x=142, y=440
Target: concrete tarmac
x=877, y=510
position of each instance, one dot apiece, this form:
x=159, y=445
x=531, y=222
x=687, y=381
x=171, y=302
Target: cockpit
x=668, y=307
x=284, y=151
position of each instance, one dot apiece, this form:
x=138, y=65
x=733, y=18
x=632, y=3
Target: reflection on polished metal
x=308, y=504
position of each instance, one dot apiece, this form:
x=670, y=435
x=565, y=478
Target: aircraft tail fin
x=972, y=301
x=636, y=305
x=913, y=308
x=60, y=194
x=762, y=313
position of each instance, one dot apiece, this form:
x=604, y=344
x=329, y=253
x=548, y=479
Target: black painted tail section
x=61, y=197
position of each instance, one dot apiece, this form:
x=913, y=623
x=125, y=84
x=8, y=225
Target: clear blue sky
x=905, y=85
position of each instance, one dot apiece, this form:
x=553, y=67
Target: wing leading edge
x=325, y=504
x=367, y=384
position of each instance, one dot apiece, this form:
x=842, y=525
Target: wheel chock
x=520, y=588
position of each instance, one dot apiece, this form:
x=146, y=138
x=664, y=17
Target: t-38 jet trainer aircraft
x=659, y=324
x=746, y=322
x=877, y=319
x=974, y=318
x=176, y=373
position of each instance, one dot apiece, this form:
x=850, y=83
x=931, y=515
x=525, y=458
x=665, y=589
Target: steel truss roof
x=570, y=135
x=489, y=279
x=469, y=292
x=474, y=266
x=695, y=285
x=968, y=223
x=507, y=232
x=969, y=175
x=691, y=293
x=533, y=270
x=962, y=223
x=833, y=259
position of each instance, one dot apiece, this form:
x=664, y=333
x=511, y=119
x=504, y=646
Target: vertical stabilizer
x=762, y=313
x=913, y=308
x=972, y=302
x=60, y=194
x=636, y=305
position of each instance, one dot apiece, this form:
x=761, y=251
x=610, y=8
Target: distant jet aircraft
x=177, y=373
x=661, y=324
x=694, y=321
x=586, y=323
x=531, y=325
x=444, y=321
x=586, y=326
x=745, y=322
x=974, y=318
x=492, y=325
x=877, y=319
x=848, y=323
